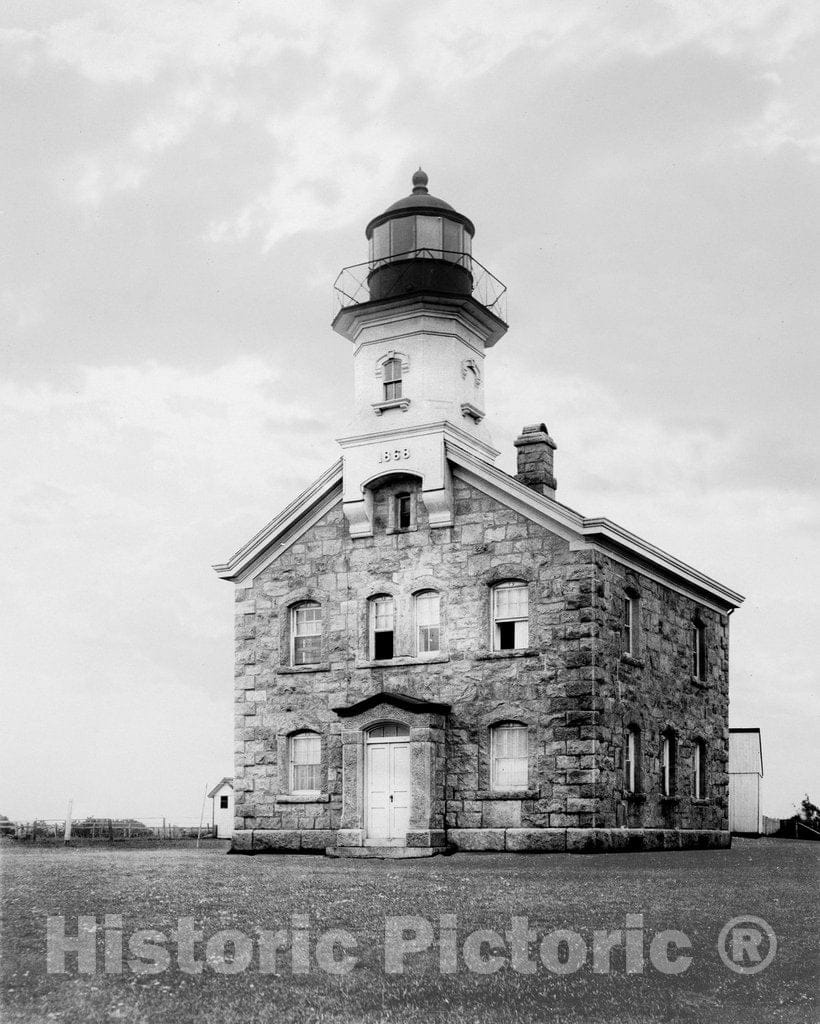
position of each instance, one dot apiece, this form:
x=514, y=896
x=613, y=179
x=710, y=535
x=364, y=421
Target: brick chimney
x=535, y=448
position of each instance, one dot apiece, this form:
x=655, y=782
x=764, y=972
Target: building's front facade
x=432, y=654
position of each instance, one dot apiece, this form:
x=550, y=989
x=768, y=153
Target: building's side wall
x=656, y=691
x=570, y=687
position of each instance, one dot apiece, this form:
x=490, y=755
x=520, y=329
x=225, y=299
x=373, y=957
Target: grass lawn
x=695, y=892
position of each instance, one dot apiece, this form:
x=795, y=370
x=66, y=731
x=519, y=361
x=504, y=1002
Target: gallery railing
x=354, y=285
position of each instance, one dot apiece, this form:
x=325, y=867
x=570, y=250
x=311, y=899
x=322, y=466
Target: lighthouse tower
x=421, y=314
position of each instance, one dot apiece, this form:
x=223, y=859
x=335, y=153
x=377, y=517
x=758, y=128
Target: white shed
x=222, y=808
x=745, y=773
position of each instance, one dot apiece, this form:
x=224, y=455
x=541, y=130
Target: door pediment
x=392, y=700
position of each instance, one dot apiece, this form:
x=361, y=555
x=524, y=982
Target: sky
x=182, y=181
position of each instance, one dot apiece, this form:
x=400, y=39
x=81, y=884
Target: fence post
x=201, y=815
x=111, y=831
x=67, y=833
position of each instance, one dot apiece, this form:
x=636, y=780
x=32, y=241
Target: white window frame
x=631, y=758
x=521, y=627
x=297, y=740
x=698, y=651
x=519, y=771
x=399, y=498
x=699, y=771
x=429, y=622
x=295, y=634
x=373, y=617
x=668, y=764
x=628, y=625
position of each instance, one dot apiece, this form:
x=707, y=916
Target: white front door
x=388, y=790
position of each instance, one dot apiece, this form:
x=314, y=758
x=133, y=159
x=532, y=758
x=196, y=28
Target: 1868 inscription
x=394, y=454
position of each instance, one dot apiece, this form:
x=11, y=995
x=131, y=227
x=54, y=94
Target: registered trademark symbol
x=747, y=945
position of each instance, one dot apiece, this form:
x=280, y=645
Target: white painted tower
x=421, y=314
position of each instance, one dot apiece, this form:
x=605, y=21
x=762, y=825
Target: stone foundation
x=585, y=840
x=486, y=840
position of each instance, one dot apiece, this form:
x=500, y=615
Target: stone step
x=382, y=852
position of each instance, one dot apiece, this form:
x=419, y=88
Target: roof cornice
x=351, y=320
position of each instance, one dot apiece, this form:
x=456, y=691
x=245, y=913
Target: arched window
x=668, y=763
x=632, y=760
x=382, y=625
x=306, y=762
x=306, y=633
x=428, y=622
x=509, y=757
x=698, y=650
x=699, y=770
x=391, y=375
x=511, y=614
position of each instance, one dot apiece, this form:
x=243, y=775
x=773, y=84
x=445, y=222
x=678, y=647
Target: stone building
x=432, y=654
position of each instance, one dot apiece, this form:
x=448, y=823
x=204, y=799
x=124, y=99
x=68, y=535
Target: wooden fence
x=110, y=830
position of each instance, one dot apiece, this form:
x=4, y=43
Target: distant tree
x=810, y=813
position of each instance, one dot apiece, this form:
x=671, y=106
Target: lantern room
x=420, y=243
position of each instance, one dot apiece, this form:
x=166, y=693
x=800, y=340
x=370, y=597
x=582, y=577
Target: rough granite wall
x=572, y=686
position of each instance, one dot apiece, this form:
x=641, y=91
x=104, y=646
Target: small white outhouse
x=222, y=808
x=745, y=773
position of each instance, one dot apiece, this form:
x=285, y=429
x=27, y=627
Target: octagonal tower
x=421, y=314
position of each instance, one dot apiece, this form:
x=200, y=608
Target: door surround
x=425, y=724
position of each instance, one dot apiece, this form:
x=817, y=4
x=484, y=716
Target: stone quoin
x=434, y=655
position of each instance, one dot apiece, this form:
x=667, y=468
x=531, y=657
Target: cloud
x=325, y=169
x=115, y=477
x=780, y=126
x=120, y=489
x=317, y=83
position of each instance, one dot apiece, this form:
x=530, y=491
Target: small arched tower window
x=391, y=375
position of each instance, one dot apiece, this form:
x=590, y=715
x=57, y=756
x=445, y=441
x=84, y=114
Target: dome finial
x=420, y=180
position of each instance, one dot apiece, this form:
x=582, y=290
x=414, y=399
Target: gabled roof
x=581, y=532
x=225, y=782
x=745, y=752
